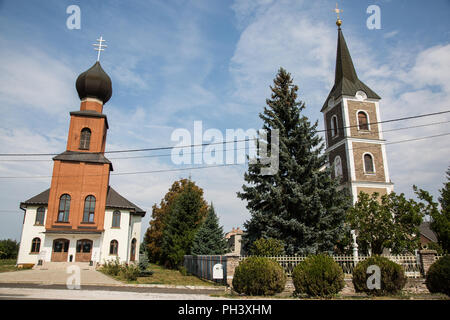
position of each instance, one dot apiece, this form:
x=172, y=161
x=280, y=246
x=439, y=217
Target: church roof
x=346, y=81
x=93, y=157
x=113, y=201
x=94, y=83
x=426, y=231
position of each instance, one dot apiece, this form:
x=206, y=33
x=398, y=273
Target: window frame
x=335, y=167
x=85, y=138
x=89, y=211
x=367, y=119
x=334, y=126
x=364, y=163
x=35, y=245
x=37, y=221
x=66, y=213
x=116, y=213
x=114, y=246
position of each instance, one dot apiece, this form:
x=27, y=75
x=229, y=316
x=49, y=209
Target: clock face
x=361, y=95
x=331, y=102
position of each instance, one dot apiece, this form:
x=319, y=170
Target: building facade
x=81, y=218
x=354, y=137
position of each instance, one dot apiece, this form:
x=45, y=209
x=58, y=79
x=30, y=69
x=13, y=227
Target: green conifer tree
x=300, y=204
x=182, y=225
x=210, y=239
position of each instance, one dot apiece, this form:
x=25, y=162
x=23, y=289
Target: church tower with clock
x=354, y=137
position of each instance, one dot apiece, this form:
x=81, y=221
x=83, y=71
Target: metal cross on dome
x=99, y=46
x=337, y=10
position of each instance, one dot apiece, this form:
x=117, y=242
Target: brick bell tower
x=80, y=181
x=355, y=145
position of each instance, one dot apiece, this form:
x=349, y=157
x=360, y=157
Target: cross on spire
x=99, y=46
x=337, y=11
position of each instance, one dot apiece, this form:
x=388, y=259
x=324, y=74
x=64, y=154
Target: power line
x=211, y=166
x=234, y=149
x=223, y=142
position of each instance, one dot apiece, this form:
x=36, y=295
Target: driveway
x=58, y=276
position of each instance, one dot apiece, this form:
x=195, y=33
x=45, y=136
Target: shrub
x=183, y=270
x=259, y=276
x=438, y=276
x=267, y=247
x=129, y=272
x=143, y=263
x=392, y=280
x=112, y=267
x=318, y=276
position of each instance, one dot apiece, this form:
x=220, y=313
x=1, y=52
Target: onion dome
x=94, y=83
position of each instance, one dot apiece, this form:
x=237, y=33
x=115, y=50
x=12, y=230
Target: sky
x=175, y=62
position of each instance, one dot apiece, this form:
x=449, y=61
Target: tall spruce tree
x=210, y=239
x=300, y=204
x=182, y=224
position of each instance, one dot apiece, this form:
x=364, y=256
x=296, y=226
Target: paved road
x=16, y=291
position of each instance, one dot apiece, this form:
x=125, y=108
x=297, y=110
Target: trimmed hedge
x=318, y=276
x=438, y=276
x=259, y=276
x=392, y=279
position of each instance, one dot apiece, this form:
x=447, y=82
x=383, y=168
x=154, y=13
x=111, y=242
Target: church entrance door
x=60, y=250
x=84, y=250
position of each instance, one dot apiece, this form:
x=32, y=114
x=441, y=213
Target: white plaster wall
x=120, y=234
x=29, y=232
x=136, y=233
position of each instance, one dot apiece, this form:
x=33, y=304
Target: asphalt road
x=12, y=291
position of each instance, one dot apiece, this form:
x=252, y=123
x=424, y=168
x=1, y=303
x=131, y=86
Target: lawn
x=165, y=276
x=7, y=265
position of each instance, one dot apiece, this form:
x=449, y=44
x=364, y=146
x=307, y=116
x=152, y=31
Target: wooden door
x=133, y=250
x=84, y=250
x=60, y=250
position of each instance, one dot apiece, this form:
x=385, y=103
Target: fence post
x=232, y=263
x=427, y=258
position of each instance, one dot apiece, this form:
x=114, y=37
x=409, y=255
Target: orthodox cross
x=99, y=46
x=337, y=10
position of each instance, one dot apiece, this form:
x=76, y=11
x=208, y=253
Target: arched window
x=85, y=139
x=116, y=219
x=89, y=209
x=113, y=247
x=368, y=164
x=337, y=167
x=35, y=245
x=64, y=208
x=40, y=214
x=334, y=126
x=363, y=121
x=133, y=250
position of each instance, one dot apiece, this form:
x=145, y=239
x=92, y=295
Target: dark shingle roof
x=426, y=231
x=90, y=113
x=346, y=81
x=93, y=157
x=113, y=200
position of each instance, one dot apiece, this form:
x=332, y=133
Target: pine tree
x=182, y=224
x=154, y=234
x=300, y=204
x=210, y=239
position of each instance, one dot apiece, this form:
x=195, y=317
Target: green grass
x=7, y=265
x=165, y=276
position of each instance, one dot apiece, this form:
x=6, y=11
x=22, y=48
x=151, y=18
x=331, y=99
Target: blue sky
x=176, y=62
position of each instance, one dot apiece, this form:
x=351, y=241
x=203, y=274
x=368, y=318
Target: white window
x=369, y=166
x=338, y=167
x=334, y=126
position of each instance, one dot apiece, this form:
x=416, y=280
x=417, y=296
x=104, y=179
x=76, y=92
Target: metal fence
x=410, y=263
x=202, y=266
